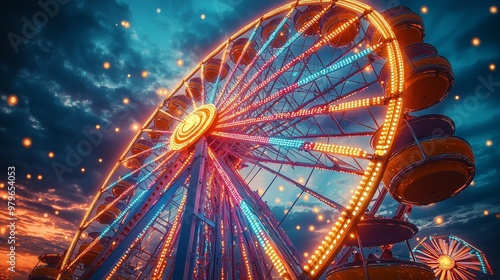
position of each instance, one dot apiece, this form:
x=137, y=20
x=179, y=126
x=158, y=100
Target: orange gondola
x=89, y=257
x=430, y=170
x=122, y=186
x=237, y=50
x=428, y=77
x=301, y=18
x=109, y=215
x=214, y=69
x=177, y=105
x=282, y=36
x=142, y=147
x=333, y=20
x=48, y=267
x=194, y=88
x=407, y=25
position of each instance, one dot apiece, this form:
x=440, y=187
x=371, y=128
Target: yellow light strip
x=167, y=246
x=329, y=247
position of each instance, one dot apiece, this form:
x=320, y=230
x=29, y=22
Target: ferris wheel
x=452, y=258
x=302, y=112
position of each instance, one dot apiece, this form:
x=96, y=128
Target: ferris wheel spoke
x=168, y=245
x=330, y=69
x=211, y=96
x=170, y=115
x=190, y=94
x=319, y=110
x=431, y=250
x=462, y=254
x=202, y=79
x=443, y=246
x=318, y=92
x=164, y=132
x=133, y=206
x=129, y=189
x=244, y=201
x=219, y=101
x=309, y=191
x=142, y=242
x=454, y=245
x=463, y=274
x=259, y=53
x=136, y=225
x=321, y=95
x=290, y=64
x=317, y=164
x=298, y=144
x=248, y=257
x=144, y=154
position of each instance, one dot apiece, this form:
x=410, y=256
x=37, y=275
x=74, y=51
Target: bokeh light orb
x=12, y=100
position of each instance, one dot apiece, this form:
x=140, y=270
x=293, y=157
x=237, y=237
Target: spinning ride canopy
x=452, y=258
x=291, y=101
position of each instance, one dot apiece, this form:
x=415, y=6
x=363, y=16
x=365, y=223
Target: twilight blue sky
x=56, y=71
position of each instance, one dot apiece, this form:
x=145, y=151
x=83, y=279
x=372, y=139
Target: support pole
x=185, y=257
x=365, y=265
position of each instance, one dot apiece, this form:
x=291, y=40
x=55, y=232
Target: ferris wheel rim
x=382, y=155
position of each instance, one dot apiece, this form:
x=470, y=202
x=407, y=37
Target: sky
x=63, y=89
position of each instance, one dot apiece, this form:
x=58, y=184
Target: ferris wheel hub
x=446, y=262
x=192, y=127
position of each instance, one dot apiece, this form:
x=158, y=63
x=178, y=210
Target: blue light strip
x=286, y=142
x=474, y=251
x=273, y=35
x=157, y=146
x=250, y=39
x=254, y=223
x=129, y=206
x=335, y=66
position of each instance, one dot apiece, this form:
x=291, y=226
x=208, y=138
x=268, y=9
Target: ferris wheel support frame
x=360, y=201
x=184, y=261
x=106, y=267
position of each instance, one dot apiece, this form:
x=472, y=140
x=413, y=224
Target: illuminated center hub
x=446, y=262
x=192, y=127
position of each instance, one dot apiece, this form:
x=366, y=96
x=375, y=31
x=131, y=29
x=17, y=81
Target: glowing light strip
x=262, y=238
x=190, y=93
x=216, y=85
x=290, y=64
x=143, y=153
x=261, y=50
x=129, y=189
x=232, y=189
x=159, y=145
x=202, y=77
x=359, y=201
x=298, y=144
x=306, y=80
x=77, y=235
x=249, y=42
x=127, y=209
x=252, y=219
x=325, y=109
x=242, y=246
x=273, y=58
x=167, y=246
x=136, y=240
